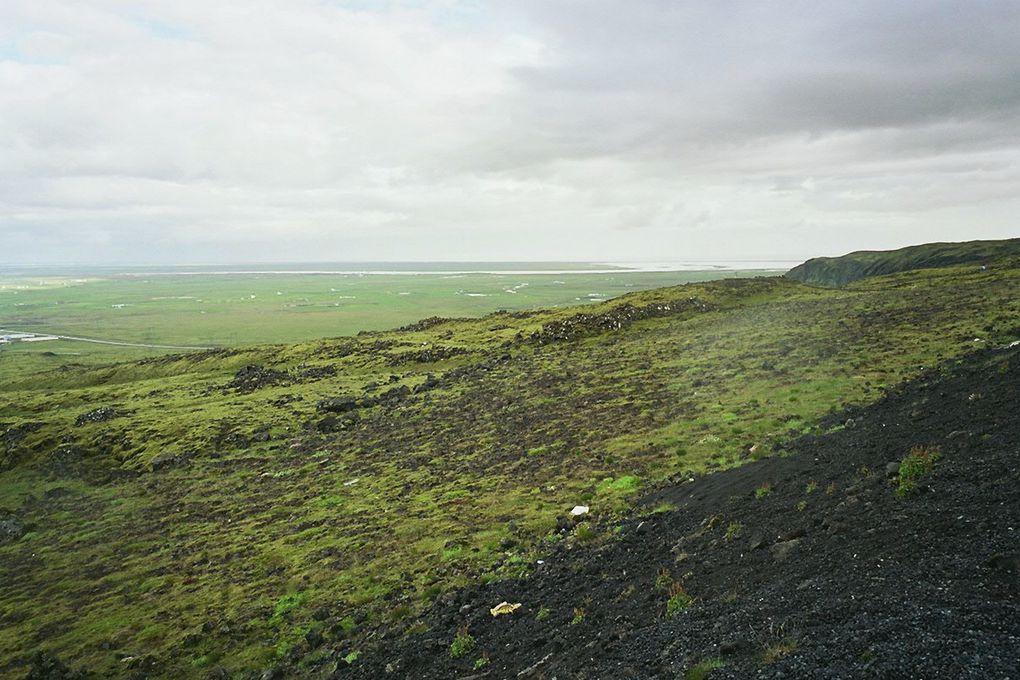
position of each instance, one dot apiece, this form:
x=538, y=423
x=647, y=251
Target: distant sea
x=395, y=268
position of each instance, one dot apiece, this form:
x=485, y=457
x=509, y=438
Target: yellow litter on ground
x=504, y=608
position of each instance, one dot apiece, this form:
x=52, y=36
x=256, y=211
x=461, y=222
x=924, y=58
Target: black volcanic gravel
x=859, y=583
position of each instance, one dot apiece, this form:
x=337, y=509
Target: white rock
x=579, y=510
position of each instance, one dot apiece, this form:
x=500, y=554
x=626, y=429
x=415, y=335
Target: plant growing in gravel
x=578, y=616
x=778, y=650
x=733, y=530
x=802, y=506
x=352, y=657
x=481, y=662
x=703, y=669
x=811, y=487
x=664, y=580
x=543, y=614
x=914, y=466
x=585, y=532
x=678, y=600
x=763, y=490
x=463, y=643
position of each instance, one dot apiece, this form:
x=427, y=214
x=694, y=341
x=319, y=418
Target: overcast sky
x=163, y=131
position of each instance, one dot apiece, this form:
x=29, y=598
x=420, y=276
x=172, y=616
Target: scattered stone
x=99, y=415
x=314, y=638
x=337, y=405
x=254, y=377
x=579, y=510
x=781, y=551
x=334, y=423
x=316, y=372
x=165, y=461
x=892, y=469
x=757, y=542
x=48, y=667
x=11, y=528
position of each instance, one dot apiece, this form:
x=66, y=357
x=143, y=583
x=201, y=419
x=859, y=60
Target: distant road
x=108, y=342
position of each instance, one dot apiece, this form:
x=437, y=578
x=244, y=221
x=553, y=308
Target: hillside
x=811, y=564
x=225, y=512
x=840, y=271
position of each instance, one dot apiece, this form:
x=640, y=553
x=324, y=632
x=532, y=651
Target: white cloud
x=293, y=129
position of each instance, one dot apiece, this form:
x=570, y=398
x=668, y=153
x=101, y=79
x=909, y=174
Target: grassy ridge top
x=233, y=507
x=840, y=271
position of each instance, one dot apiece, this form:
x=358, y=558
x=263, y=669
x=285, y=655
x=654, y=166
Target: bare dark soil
x=828, y=574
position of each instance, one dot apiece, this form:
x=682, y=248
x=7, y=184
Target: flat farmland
x=207, y=309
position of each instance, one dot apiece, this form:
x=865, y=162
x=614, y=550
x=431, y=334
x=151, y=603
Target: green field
x=211, y=310
x=219, y=515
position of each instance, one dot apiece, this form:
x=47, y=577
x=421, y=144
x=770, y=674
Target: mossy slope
x=839, y=271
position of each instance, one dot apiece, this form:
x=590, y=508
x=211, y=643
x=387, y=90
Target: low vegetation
x=914, y=466
x=678, y=601
x=462, y=644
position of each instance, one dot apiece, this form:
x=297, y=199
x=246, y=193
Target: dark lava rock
x=428, y=355
x=165, y=461
x=99, y=415
x=431, y=381
x=314, y=638
x=253, y=377
x=316, y=372
x=425, y=324
x=615, y=319
x=48, y=667
x=12, y=436
x=337, y=405
x=335, y=423
x=11, y=528
x=781, y=551
x=394, y=394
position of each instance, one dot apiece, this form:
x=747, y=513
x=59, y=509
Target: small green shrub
x=733, y=530
x=585, y=532
x=678, y=600
x=462, y=644
x=578, y=616
x=352, y=657
x=811, y=487
x=914, y=466
x=543, y=614
x=778, y=650
x=702, y=669
x=664, y=580
x=802, y=506
x=481, y=662
x=763, y=490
